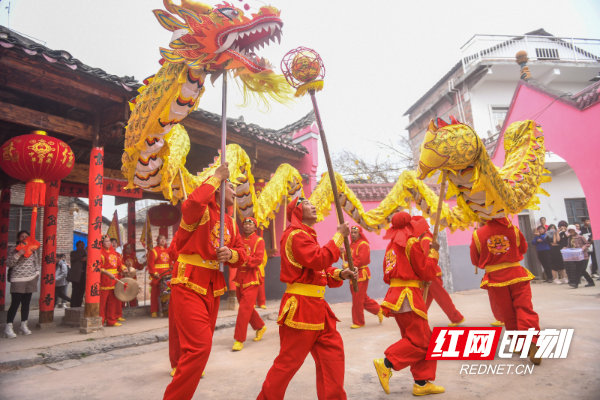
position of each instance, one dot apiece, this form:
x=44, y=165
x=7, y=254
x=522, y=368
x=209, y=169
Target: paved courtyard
x=142, y=371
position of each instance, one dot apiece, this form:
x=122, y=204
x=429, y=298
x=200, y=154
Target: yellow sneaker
x=532, y=350
x=429, y=388
x=380, y=315
x=263, y=307
x=454, y=324
x=497, y=323
x=260, y=333
x=203, y=372
x=237, y=346
x=354, y=326
x=153, y=315
x=384, y=373
x=115, y=324
x=173, y=371
x=121, y=319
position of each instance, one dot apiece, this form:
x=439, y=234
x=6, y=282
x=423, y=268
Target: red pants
x=195, y=318
x=261, y=299
x=327, y=349
x=246, y=314
x=154, y=294
x=439, y=294
x=361, y=302
x=412, y=348
x=110, y=307
x=174, y=346
x=495, y=309
x=515, y=305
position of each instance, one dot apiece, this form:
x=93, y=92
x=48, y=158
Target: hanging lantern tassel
x=35, y=193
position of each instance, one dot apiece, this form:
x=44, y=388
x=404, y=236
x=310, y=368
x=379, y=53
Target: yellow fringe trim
x=317, y=86
x=290, y=307
x=529, y=277
x=395, y=307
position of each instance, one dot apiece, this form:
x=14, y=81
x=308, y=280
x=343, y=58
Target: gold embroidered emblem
x=498, y=244
x=214, y=235
x=390, y=261
x=112, y=260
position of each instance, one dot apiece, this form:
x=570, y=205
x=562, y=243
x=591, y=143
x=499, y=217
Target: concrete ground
x=142, y=372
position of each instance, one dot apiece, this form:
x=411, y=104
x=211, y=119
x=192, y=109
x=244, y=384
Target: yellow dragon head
x=448, y=146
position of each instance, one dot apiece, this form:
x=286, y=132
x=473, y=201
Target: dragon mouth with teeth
x=220, y=37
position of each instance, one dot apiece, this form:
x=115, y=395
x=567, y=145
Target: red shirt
x=249, y=273
x=404, y=264
x=361, y=258
x=498, y=247
x=110, y=261
x=159, y=261
x=198, y=241
x=134, y=261
x=303, y=261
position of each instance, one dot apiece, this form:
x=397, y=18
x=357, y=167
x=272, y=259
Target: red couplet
x=49, y=247
x=131, y=224
x=92, y=286
x=4, y=217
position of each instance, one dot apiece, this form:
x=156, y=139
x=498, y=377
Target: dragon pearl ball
x=305, y=67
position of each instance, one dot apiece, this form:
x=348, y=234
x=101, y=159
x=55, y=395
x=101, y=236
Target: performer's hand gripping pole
x=436, y=228
x=223, y=159
x=336, y=198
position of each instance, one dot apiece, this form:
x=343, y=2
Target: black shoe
x=574, y=286
x=590, y=284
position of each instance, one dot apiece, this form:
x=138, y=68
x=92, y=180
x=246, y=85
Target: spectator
x=61, y=285
x=577, y=228
x=23, y=275
x=543, y=251
x=77, y=274
x=563, y=241
x=558, y=267
x=576, y=241
x=543, y=222
x=586, y=232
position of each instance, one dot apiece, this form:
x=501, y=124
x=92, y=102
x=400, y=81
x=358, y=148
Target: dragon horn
x=454, y=120
x=198, y=7
x=441, y=123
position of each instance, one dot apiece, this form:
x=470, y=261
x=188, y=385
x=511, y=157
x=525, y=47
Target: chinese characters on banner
x=92, y=292
x=49, y=247
x=111, y=187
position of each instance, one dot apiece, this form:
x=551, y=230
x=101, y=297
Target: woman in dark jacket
x=558, y=267
x=576, y=241
x=543, y=251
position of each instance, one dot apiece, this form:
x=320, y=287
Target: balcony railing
x=539, y=48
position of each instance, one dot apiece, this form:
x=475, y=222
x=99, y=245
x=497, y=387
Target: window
x=498, y=117
x=576, y=210
x=19, y=220
x=546, y=54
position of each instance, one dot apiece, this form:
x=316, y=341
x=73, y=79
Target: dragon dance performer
x=130, y=259
x=404, y=268
x=436, y=289
x=261, y=298
x=159, y=263
x=496, y=311
x=111, y=269
x=115, y=245
x=306, y=322
x=196, y=290
x=247, y=280
x=174, y=346
x=361, y=257
x=498, y=247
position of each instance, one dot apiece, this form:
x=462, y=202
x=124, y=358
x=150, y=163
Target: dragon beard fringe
x=261, y=87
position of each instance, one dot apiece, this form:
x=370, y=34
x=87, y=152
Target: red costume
x=404, y=268
x=247, y=280
x=174, y=346
x=196, y=288
x=498, y=247
x=110, y=306
x=159, y=263
x=135, y=264
x=436, y=289
x=261, y=298
x=361, y=258
x=306, y=323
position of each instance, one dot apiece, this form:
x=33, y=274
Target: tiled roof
x=281, y=137
x=371, y=191
x=12, y=40
x=588, y=96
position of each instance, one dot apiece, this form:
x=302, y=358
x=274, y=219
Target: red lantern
x=164, y=215
x=36, y=159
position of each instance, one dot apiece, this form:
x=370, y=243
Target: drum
x=164, y=292
x=126, y=289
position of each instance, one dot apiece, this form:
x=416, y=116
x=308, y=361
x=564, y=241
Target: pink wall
x=309, y=163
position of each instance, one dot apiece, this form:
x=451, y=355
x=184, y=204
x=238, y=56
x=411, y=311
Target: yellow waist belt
x=496, y=267
x=305, y=289
x=402, y=283
x=113, y=271
x=195, y=259
x=161, y=266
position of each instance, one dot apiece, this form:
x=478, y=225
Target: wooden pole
x=338, y=206
x=223, y=160
x=438, y=218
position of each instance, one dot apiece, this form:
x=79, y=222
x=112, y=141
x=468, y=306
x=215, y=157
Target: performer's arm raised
x=310, y=255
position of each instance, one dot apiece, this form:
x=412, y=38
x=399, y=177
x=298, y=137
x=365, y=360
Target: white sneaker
x=565, y=280
x=595, y=276
x=24, y=329
x=8, y=331
x=558, y=282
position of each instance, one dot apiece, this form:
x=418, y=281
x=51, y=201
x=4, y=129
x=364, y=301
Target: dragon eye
x=230, y=13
